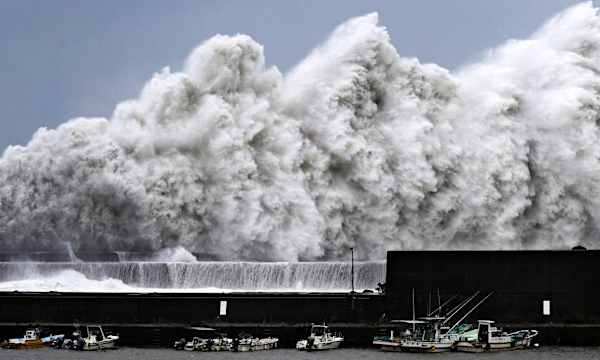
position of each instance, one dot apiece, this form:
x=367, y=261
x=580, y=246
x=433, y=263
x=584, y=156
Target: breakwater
x=204, y=275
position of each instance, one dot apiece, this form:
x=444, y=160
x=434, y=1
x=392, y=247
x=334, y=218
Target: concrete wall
x=159, y=319
x=521, y=280
x=186, y=309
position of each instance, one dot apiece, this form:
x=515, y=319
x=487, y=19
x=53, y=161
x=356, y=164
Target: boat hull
x=388, y=345
x=317, y=346
x=100, y=345
x=425, y=346
x=260, y=345
x=23, y=344
x=473, y=347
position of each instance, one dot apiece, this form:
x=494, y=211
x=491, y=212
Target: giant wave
x=355, y=147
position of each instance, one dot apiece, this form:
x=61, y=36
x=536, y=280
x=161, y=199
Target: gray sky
x=61, y=59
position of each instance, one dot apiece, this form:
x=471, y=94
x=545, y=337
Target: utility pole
x=352, y=268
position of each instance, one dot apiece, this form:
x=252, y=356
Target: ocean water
x=579, y=353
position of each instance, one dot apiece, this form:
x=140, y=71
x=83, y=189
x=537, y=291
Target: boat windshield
x=318, y=330
x=96, y=331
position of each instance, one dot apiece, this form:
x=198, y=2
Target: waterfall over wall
x=233, y=276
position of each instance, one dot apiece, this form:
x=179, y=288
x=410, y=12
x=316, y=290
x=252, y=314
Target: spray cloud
x=356, y=146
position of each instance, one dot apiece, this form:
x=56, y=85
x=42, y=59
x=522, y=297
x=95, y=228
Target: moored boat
x=320, y=338
x=431, y=334
x=215, y=343
x=249, y=343
x=391, y=340
x=489, y=338
x=31, y=340
x=95, y=339
x=427, y=337
x=51, y=340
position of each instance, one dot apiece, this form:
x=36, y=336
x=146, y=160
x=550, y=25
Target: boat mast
x=439, y=308
x=429, y=302
x=413, y=310
x=460, y=306
x=469, y=312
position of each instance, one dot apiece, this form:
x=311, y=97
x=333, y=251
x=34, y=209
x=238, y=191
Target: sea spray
x=355, y=147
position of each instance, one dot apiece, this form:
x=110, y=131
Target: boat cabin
x=319, y=330
x=94, y=333
x=31, y=335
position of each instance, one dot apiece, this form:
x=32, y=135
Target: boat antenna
x=429, y=301
x=460, y=306
x=469, y=312
x=439, y=299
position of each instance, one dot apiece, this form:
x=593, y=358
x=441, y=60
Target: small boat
x=426, y=337
x=320, y=338
x=392, y=341
x=97, y=340
x=52, y=340
x=213, y=343
x=203, y=339
x=489, y=338
x=249, y=343
x=31, y=340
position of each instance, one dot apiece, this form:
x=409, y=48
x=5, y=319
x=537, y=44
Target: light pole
x=352, y=268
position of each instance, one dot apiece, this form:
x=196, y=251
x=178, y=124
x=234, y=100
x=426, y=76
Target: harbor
x=545, y=353
x=548, y=293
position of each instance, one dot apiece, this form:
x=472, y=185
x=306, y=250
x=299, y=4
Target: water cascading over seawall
x=194, y=276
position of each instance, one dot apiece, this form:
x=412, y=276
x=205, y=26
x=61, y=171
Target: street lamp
x=352, y=268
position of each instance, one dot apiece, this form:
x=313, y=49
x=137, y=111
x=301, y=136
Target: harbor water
x=580, y=353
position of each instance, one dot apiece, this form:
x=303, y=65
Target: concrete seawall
x=160, y=318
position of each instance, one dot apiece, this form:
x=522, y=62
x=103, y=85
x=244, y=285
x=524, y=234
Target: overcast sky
x=61, y=59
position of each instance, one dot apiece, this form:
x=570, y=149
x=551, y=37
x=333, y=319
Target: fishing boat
x=432, y=333
x=427, y=337
x=95, y=339
x=435, y=336
x=31, y=340
x=320, y=338
x=391, y=340
x=489, y=338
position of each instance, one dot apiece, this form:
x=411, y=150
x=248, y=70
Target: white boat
x=257, y=344
x=52, y=339
x=96, y=339
x=426, y=337
x=31, y=340
x=489, y=338
x=320, y=338
x=430, y=334
x=390, y=342
x=216, y=343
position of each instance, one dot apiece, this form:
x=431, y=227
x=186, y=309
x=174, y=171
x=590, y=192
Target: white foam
x=189, y=276
x=355, y=147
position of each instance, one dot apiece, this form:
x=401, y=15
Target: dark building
x=541, y=289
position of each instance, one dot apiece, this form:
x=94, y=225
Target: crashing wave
x=355, y=147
